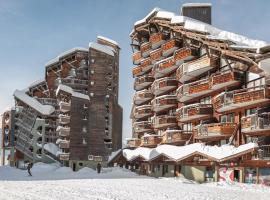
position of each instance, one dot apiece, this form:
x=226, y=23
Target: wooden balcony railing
x=164, y=121
x=156, y=55
x=184, y=54
x=146, y=64
x=137, y=71
x=133, y=142
x=142, y=96
x=170, y=46
x=150, y=140
x=164, y=67
x=145, y=49
x=142, y=111
x=64, y=156
x=157, y=39
x=164, y=85
x=194, y=112
x=143, y=82
x=137, y=57
x=164, y=102
x=224, y=79
x=143, y=126
x=256, y=124
x=176, y=137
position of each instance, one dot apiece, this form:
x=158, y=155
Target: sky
x=33, y=32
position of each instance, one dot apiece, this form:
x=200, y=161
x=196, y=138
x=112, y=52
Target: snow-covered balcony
x=143, y=126
x=64, y=119
x=157, y=39
x=133, y=142
x=137, y=57
x=64, y=144
x=164, y=67
x=142, y=97
x=141, y=112
x=64, y=106
x=243, y=98
x=146, y=64
x=193, y=90
x=156, y=55
x=175, y=137
x=150, y=140
x=256, y=124
x=143, y=82
x=194, y=112
x=184, y=54
x=192, y=69
x=145, y=49
x=63, y=131
x=64, y=156
x=225, y=79
x=164, y=102
x=137, y=71
x=214, y=131
x=164, y=85
x=170, y=46
x=164, y=121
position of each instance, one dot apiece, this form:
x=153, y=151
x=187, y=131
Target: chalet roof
x=102, y=48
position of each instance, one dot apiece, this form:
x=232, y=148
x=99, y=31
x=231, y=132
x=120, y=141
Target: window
x=250, y=111
x=80, y=164
x=90, y=157
x=227, y=118
x=92, y=83
x=187, y=127
x=91, y=94
x=84, y=129
x=206, y=100
x=92, y=71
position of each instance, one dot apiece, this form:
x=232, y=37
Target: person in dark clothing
x=98, y=168
x=29, y=166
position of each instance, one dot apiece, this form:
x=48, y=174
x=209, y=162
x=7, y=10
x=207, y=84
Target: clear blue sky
x=33, y=32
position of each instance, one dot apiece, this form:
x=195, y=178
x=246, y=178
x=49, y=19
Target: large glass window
x=227, y=118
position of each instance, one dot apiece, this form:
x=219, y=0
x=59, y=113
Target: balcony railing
x=164, y=102
x=141, y=112
x=184, y=54
x=192, y=69
x=170, y=46
x=146, y=64
x=64, y=106
x=144, y=126
x=264, y=152
x=64, y=156
x=133, y=142
x=195, y=112
x=64, y=144
x=64, y=119
x=145, y=49
x=176, y=137
x=137, y=71
x=193, y=90
x=137, y=57
x=63, y=131
x=248, y=97
x=225, y=79
x=215, y=131
x=157, y=39
x=256, y=124
x=143, y=82
x=142, y=97
x=164, y=121
x=156, y=55
x=164, y=85
x=164, y=67
x=150, y=140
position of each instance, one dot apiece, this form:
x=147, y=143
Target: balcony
x=64, y=119
x=137, y=71
x=225, y=79
x=175, y=137
x=164, y=103
x=64, y=144
x=150, y=140
x=143, y=82
x=192, y=69
x=170, y=46
x=144, y=126
x=264, y=152
x=146, y=64
x=74, y=83
x=164, y=67
x=64, y=156
x=142, y=97
x=214, y=132
x=184, y=54
x=133, y=142
x=256, y=124
x=64, y=106
x=145, y=49
x=157, y=39
x=137, y=57
x=193, y=90
x=141, y=112
x=164, y=85
x=156, y=55
x=194, y=112
x=164, y=121
x=63, y=131
x=244, y=98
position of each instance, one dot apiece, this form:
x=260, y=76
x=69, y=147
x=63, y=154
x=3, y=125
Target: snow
x=196, y=5
x=265, y=66
x=51, y=147
x=69, y=90
x=54, y=182
x=102, y=48
x=108, y=40
x=37, y=82
x=114, y=154
x=33, y=103
x=178, y=153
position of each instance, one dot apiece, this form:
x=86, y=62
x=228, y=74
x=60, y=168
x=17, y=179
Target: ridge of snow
x=102, y=48
x=37, y=82
x=69, y=90
x=196, y=4
x=108, y=40
x=33, y=103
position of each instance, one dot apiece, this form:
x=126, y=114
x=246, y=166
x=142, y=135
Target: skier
x=98, y=168
x=29, y=166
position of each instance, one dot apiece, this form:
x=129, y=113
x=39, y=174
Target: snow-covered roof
x=33, y=103
x=52, y=148
x=196, y=5
x=108, y=40
x=37, y=82
x=114, y=154
x=69, y=90
x=102, y=48
x=178, y=153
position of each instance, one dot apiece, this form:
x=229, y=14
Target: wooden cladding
x=175, y=137
x=199, y=87
x=223, y=78
x=256, y=123
x=137, y=56
x=215, y=129
x=250, y=96
x=136, y=71
x=142, y=126
x=156, y=55
x=151, y=140
x=156, y=38
x=146, y=64
x=167, y=63
x=183, y=54
x=134, y=142
x=145, y=48
x=164, y=121
x=165, y=100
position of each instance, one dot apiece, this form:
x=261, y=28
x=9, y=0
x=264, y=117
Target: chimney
x=198, y=11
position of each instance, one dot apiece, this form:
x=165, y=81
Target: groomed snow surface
x=54, y=182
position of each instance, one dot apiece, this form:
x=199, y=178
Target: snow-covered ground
x=54, y=182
